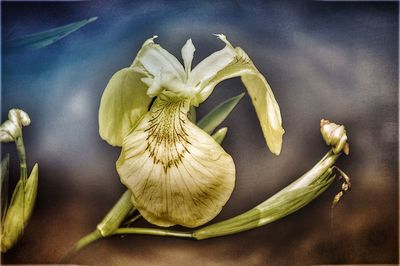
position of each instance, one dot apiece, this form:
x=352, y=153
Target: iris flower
x=176, y=172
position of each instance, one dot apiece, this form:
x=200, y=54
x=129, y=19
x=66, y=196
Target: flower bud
x=11, y=129
x=19, y=117
x=335, y=136
x=19, y=211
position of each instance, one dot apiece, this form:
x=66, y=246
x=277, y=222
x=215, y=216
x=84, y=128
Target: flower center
x=167, y=140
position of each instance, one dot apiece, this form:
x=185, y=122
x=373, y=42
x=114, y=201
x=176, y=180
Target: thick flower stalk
x=176, y=172
x=15, y=216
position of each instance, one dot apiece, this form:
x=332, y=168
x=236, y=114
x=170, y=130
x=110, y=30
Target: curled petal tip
x=149, y=40
x=335, y=136
x=19, y=117
x=11, y=129
x=223, y=38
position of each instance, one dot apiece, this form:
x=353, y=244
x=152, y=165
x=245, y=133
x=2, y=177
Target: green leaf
x=220, y=135
x=45, y=38
x=19, y=211
x=218, y=114
x=13, y=225
x=31, y=188
x=4, y=175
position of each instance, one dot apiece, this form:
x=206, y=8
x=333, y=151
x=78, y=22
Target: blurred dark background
x=333, y=60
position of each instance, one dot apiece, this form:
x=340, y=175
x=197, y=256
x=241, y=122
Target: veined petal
x=154, y=58
x=187, y=56
x=210, y=66
x=263, y=99
x=176, y=172
x=122, y=105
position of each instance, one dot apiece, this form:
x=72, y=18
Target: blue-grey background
x=334, y=60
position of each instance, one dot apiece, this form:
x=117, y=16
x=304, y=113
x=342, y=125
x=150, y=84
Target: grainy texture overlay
x=333, y=60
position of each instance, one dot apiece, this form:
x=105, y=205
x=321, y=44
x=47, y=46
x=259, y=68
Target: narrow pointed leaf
x=13, y=226
x=31, y=188
x=5, y=164
x=219, y=136
x=19, y=210
x=45, y=38
x=215, y=117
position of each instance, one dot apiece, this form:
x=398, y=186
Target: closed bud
x=11, y=129
x=19, y=211
x=335, y=136
x=19, y=117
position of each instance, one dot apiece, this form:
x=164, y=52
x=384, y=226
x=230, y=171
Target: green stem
x=19, y=142
x=132, y=220
x=152, y=231
x=111, y=222
x=119, y=212
x=288, y=200
x=83, y=242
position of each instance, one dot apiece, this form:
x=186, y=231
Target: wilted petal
x=176, y=172
x=263, y=99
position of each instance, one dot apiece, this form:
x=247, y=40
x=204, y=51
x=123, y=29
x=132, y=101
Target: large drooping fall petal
x=177, y=173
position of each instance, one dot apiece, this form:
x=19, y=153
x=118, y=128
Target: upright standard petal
x=122, y=105
x=176, y=172
x=263, y=99
x=210, y=66
x=187, y=56
x=155, y=59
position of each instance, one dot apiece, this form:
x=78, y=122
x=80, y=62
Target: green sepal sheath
x=19, y=211
x=4, y=169
x=219, y=136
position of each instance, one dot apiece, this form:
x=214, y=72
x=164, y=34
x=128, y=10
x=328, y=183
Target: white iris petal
x=181, y=175
x=187, y=56
x=261, y=94
x=154, y=58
